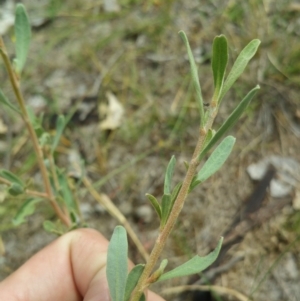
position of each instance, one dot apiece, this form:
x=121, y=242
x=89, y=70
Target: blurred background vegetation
x=84, y=53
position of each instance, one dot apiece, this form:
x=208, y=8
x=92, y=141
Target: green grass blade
x=231, y=120
x=117, y=264
x=23, y=36
x=215, y=161
x=132, y=280
x=239, y=65
x=7, y=103
x=154, y=203
x=195, y=77
x=169, y=175
x=194, y=266
x=219, y=63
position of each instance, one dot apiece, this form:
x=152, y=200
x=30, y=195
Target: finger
x=72, y=268
x=62, y=271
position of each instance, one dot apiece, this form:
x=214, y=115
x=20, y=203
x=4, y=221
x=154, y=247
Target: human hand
x=72, y=268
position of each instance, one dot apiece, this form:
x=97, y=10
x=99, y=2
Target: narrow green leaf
x=66, y=192
x=154, y=203
x=194, y=73
x=37, y=122
x=209, y=136
x=169, y=175
x=219, y=63
x=23, y=36
x=195, y=265
x=50, y=227
x=60, y=126
x=231, y=120
x=175, y=193
x=215, y=161
x=15, y=189
x=239, y=65
x=117, y=264
x=132, y=280
x=27, y=208
x=156, y=274
x=166, y=206
x=7, y=103
x=11, y=177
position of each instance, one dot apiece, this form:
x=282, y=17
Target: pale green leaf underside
x=194, y=73
x=239, y=65
x=132, y=280
x=194, y=266
x=23, y=36
x=117, y=264
x=215, y=161
x=169, y=175
x=230, y=121
x=219, y=63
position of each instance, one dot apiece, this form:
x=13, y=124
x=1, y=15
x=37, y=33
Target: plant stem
x=178, y=204
x=38, y=151
x=162, y=238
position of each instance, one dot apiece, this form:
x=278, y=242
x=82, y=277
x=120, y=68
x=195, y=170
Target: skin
x=72, y=268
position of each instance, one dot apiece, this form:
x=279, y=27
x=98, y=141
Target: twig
x=177, y=207
x=105, y=201
x=38, y=151
x=218, y=289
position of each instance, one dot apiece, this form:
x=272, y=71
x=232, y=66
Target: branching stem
x=38, y=151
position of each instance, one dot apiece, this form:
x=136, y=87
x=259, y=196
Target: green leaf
x=209, y=136
x=194, y=73
x=219, y=63
x=175, y=192
x=239, y=65
x=27, y=208
x=11, y=177
x=15, y=189
x=194, y=266
x=169, y=175
x=132, y=280
x=117, y=264
x=231, y=121
x=7, y=103
x=50, y=227
x=23, y=36
x=66, y=193
x=60, y=126
x=166, y=206
x=215, y=161
x=36, y=122
x=154, y=203
x=155, y=276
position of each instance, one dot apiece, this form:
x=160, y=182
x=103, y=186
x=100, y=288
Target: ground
x=84, y=54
